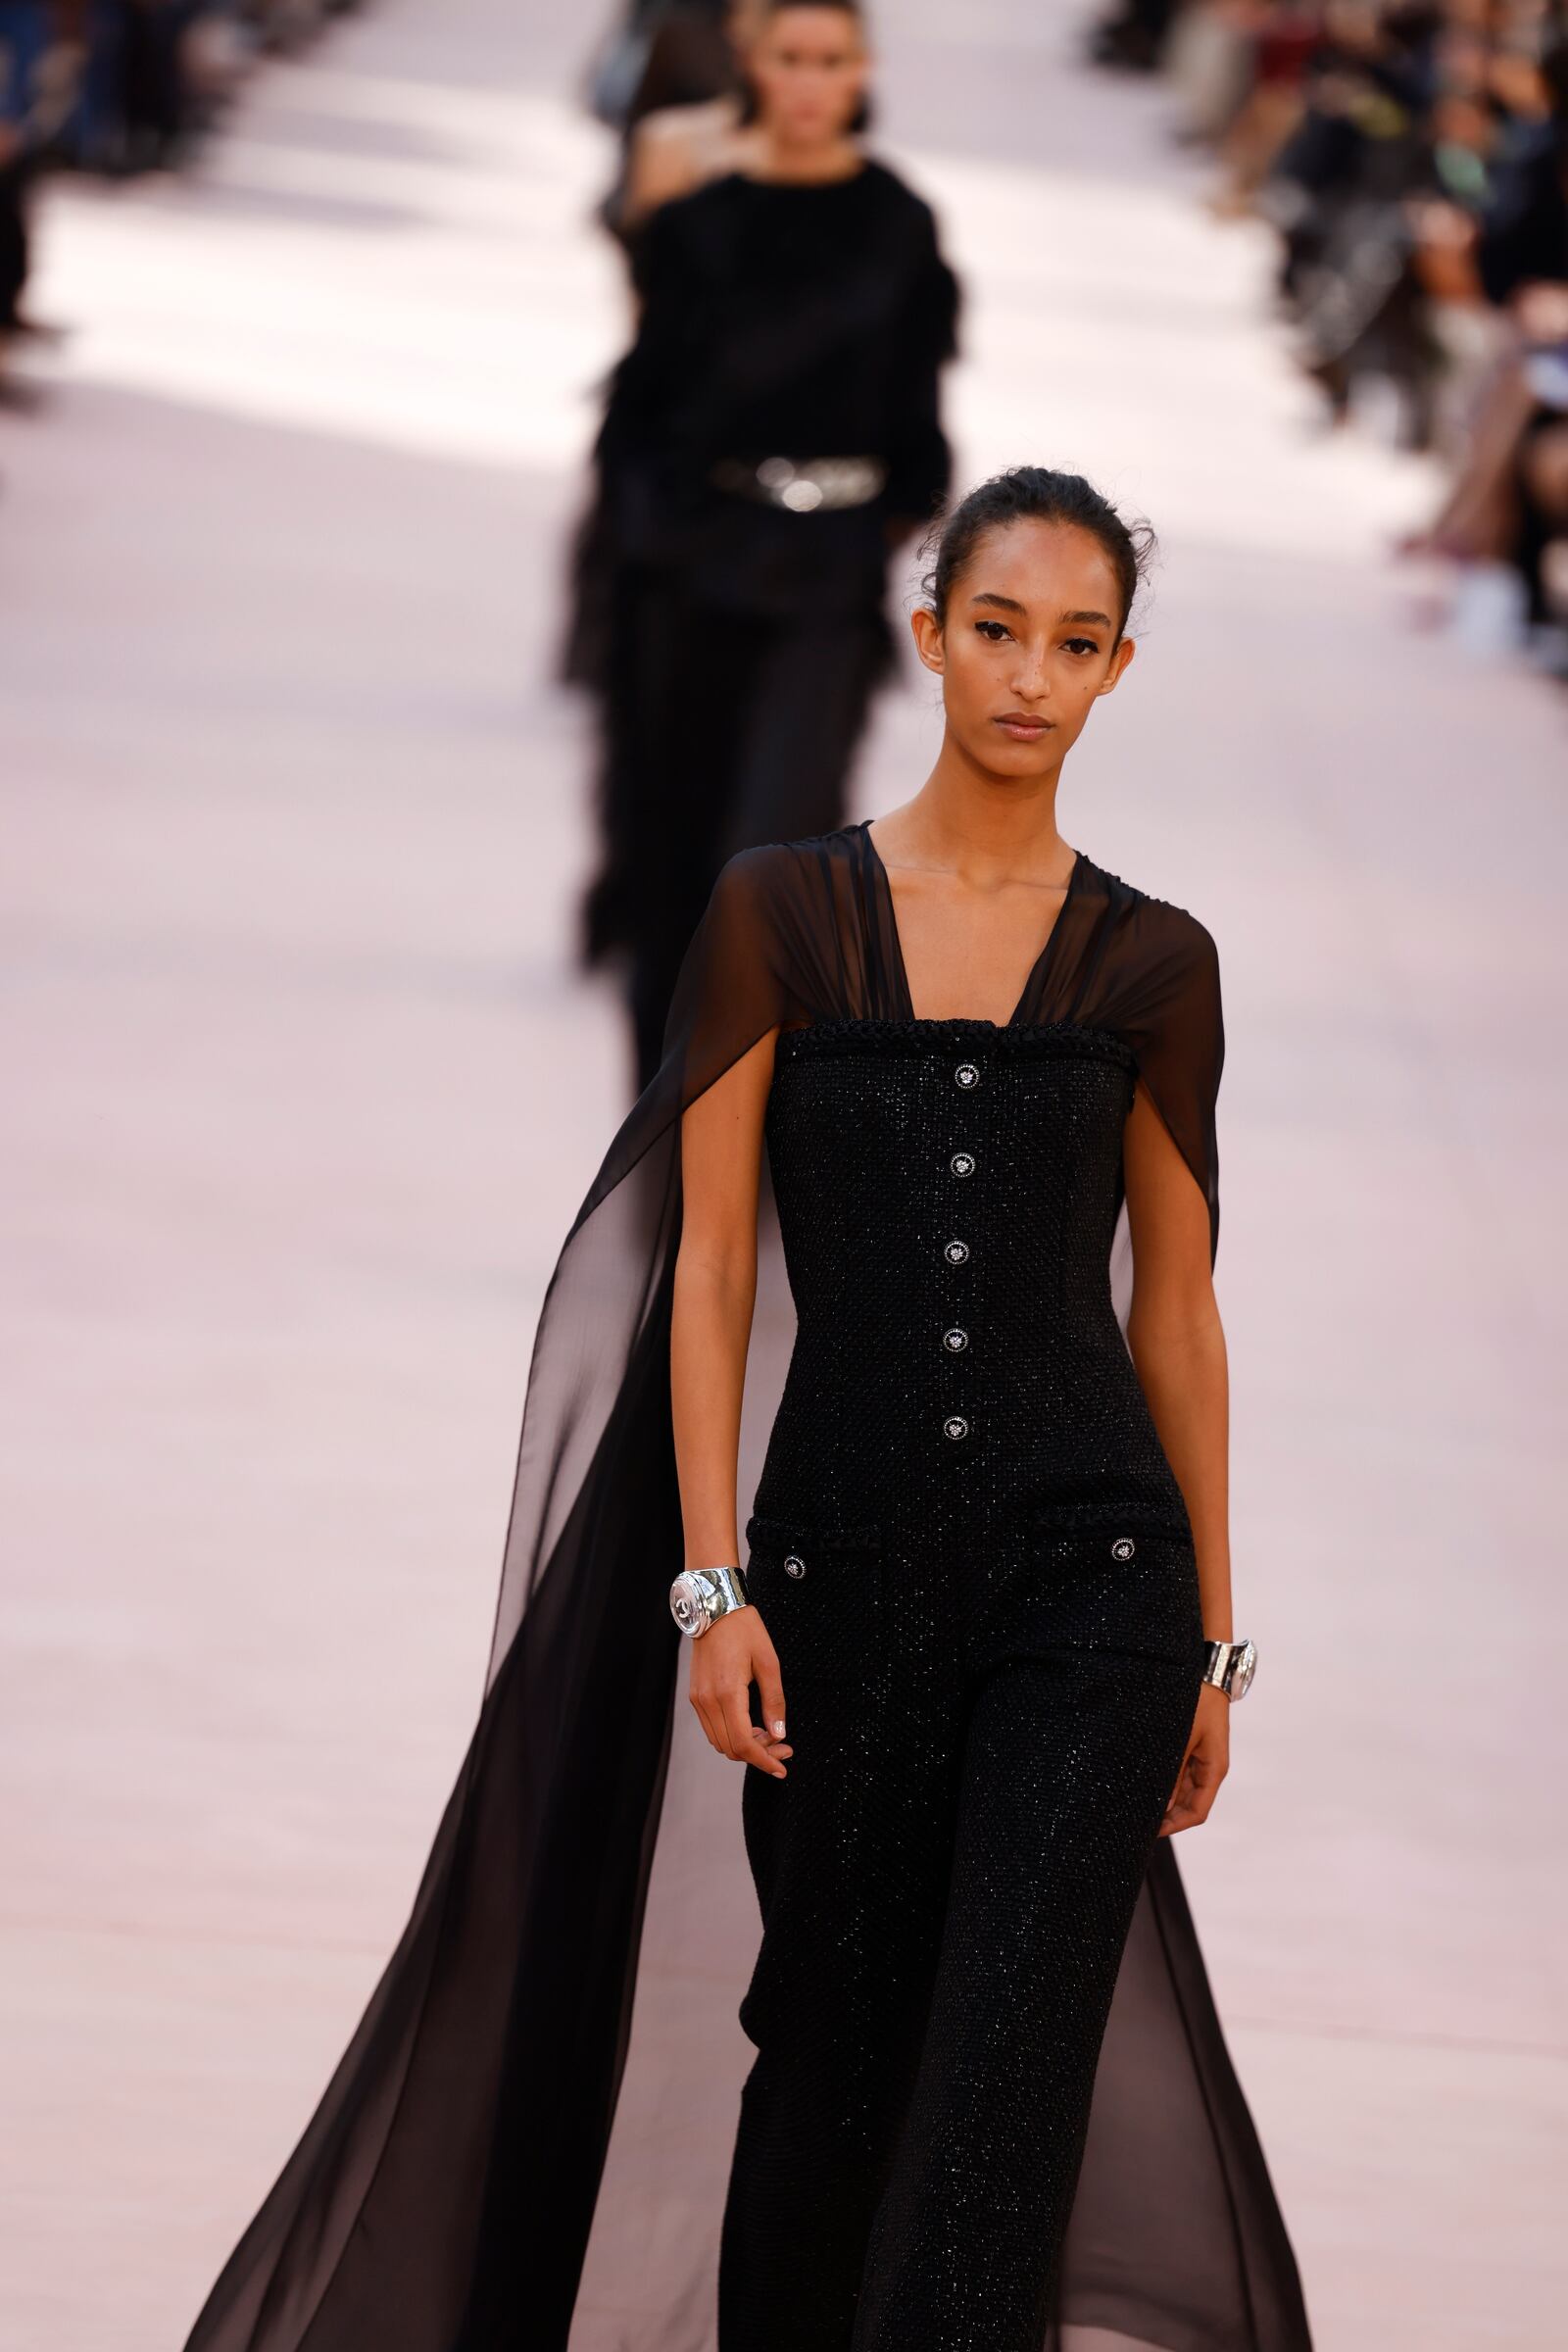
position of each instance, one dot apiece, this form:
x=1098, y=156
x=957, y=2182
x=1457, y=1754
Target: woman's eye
x=986, y=628
x=1082, y=645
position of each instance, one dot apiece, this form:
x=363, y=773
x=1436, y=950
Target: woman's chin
x=1014, y=762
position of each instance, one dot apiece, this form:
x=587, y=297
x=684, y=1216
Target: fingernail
x=778, y=1728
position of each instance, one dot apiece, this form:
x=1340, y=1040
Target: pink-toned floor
x=302, y=1091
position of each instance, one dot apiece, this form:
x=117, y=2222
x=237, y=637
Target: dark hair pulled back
x=1034, y=494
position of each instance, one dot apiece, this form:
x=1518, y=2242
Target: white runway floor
x=302, y=1093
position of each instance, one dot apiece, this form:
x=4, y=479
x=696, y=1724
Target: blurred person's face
x=1516, y=82
x=1354, y=27
x=808, y=67
x=1028, y=646
x=1462, y=63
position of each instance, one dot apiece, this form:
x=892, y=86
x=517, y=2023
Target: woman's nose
x=1031, y=677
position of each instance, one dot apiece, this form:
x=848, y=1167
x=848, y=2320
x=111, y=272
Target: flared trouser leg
x=1068, y=1762
x=944, y=1921
x=851, y=1856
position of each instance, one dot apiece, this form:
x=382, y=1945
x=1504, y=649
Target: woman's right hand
x=726, y=1660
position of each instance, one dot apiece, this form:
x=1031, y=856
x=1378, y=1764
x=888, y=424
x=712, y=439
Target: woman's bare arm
x=660, y=164
x=710, y=1327
x=1178, y=1346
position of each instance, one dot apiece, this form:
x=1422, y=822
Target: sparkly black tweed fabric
x=977, y=1568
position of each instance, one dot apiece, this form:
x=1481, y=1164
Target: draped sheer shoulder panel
x=1148, y=973
x=527, y=2137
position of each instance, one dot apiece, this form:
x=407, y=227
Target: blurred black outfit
x=1523, y=239
x=990, y=2104
x=1523, y=223
x=733, y=645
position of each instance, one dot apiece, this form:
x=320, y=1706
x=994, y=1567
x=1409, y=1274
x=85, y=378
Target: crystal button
x=954, y=1426
x=967, y=1075
x=795, y=1566
x=1123, y=1548
x=956, y=1253
x=962, y=1163
x=955, y=1340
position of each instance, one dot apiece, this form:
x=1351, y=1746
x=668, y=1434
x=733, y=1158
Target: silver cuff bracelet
x=1230, y=1666
x=700, y=1596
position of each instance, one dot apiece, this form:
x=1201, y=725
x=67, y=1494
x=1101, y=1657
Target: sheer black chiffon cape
x=527, y=2140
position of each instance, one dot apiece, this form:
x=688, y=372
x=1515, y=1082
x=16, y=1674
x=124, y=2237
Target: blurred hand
x=726, y=1660
x=1204, y=1765
x=1541, y=309
x=1438, y=223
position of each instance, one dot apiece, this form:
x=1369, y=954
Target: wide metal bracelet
x=1230, y=1666
x=700, y=1596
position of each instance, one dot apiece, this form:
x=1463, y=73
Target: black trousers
x=947, y=1879
x=723, y=727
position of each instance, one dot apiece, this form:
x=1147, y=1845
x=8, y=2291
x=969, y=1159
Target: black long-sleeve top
x=780, y=320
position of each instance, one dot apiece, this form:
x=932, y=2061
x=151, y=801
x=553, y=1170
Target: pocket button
x=1123, y=1548
x=795, y=1566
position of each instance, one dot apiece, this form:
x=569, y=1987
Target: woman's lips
x=1021, y=727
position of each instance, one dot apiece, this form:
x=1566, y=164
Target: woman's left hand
x=1204, y=1765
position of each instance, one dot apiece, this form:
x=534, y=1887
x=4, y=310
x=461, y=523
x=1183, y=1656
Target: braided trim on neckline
x=1012, y=1041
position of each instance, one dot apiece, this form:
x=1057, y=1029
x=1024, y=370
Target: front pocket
x=1125, y=1583
x=818, y=1586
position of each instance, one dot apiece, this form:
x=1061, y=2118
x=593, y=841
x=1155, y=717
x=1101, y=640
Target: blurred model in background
x=770, y=437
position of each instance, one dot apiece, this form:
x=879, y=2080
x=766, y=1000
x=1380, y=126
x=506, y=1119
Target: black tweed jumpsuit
x=976, y=1565
x=977, y=1568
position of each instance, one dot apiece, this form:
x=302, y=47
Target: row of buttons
x=965, y=1076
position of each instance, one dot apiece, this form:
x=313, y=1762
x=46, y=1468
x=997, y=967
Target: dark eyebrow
x=1009, y=603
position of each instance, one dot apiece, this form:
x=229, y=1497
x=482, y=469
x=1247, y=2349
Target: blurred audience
x=1412, y=156
x=117, y=87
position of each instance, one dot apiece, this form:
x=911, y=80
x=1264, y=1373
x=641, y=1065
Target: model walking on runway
x=979, y=1660
x=770, y=437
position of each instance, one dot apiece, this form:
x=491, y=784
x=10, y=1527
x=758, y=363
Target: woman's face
x=808, y=67
x=1027, y=645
